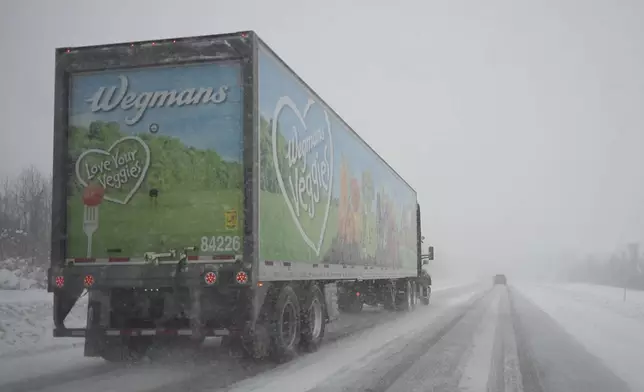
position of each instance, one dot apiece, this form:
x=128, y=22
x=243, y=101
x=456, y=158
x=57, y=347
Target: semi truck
x=201, y=188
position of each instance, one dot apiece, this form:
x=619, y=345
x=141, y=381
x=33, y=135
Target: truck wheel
x=285, y=325
x=313, y=321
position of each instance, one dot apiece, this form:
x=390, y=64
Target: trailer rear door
x=156, y=154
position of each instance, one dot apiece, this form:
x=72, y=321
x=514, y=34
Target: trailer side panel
x=330, y=207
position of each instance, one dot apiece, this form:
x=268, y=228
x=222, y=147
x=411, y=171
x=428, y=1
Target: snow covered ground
x=26, y=321
x=598, y=317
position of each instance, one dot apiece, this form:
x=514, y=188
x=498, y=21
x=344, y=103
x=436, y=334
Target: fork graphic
x=90, y=225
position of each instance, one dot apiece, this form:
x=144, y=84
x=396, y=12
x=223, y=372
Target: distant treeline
x=622, y=269
x=25, y=215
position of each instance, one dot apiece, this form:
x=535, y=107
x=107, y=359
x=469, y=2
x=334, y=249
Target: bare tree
x=25, y=214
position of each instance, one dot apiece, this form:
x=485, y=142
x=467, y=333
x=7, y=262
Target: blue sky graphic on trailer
x=275, y=82
x=212, y=125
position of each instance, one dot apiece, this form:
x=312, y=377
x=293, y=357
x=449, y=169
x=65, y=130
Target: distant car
x=500, y=279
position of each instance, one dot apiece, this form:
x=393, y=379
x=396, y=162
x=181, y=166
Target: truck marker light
x=242, y=277
x=88, y=281
x=60, y=281
x=210, y=277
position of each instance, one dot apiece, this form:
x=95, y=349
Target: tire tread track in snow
x=437, y=363
x=477, y=365
x=510, y=377
x=32, y=351
x=390, y=368
x=531, y=377
x=59, y=378
x=553, y=356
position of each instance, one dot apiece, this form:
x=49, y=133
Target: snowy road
x=471, y=338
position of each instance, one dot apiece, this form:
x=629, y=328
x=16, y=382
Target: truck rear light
x=60, y=281
x=88, y=281
x=210, y=277
x=242, y=277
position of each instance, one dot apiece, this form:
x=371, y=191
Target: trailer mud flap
x=331, y=298
x=196, y=324
x=64, y=301
x=93, y=336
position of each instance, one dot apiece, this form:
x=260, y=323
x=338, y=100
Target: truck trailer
x=201, y=188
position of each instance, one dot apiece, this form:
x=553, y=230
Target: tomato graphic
x=93, y=195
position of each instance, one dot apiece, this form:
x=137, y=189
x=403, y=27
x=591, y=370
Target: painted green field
x=180, y=219
x=280, y=237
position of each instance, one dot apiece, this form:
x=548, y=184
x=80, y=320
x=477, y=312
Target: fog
x=519, y=125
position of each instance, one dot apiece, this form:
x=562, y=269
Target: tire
x=313, y=324
x=285, y=325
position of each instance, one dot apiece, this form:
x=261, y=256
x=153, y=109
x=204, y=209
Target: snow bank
x=11, y=280
x=26, y=321
x=598, y=318
x=606, y=297
x=21, y=274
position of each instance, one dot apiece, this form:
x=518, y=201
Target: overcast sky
x=520, y=124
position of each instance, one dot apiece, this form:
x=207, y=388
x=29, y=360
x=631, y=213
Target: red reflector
x=118, y=259
x=193, y=257
x=88, y=281
x=242, y=277
x=210, y=277
x=60, y=281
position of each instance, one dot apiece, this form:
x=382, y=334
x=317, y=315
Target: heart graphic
x=287, y=102
x=106, y=168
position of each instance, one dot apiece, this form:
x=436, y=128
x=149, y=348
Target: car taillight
x=210, y=278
